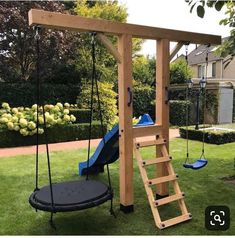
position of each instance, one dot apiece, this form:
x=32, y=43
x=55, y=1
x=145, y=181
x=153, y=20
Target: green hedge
x=59, y=133
x=142, y=101
x=82, y=115
x=210, y=136
x=178, y=112
x=24, y=94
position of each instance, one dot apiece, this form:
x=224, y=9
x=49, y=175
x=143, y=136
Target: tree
x=106, y=64
x=17, y=44
x=144, y=69
x=228, y=46
x=180, y=72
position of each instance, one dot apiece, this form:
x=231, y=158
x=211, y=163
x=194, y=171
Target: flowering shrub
x=24, y=119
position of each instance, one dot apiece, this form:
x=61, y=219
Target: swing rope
x=94, y=83
x=204, y=106
x=40, y=101
x=187, y=111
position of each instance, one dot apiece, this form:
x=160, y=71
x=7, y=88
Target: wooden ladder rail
x=171, y=177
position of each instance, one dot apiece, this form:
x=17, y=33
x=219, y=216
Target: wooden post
x=125, y=123
x=162, y=107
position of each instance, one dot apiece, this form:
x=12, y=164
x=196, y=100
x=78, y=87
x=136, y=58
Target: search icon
x=217, y=218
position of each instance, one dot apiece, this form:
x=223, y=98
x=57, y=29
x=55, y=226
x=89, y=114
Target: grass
x=203, y=187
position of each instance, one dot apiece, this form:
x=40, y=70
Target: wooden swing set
x=128, y=134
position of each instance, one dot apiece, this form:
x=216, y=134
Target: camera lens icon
x=217, y=218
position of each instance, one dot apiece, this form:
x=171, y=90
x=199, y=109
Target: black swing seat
x=71, y=196
x=200, y=163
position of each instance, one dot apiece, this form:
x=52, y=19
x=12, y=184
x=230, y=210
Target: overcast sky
x=173, y=14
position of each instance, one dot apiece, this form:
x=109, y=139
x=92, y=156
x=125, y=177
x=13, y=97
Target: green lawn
x=203, y=187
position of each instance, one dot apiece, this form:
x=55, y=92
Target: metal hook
x=93, y=34
x=37, y=35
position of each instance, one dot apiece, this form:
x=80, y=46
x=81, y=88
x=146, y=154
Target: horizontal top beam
x=77, y=23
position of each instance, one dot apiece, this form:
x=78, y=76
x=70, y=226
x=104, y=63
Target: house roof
x=198, y=55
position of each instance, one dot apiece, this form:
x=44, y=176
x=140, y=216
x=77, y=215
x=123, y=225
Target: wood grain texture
x=77, y=23
x=125, y=120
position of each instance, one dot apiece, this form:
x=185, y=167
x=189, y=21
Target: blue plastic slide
x=107, y=151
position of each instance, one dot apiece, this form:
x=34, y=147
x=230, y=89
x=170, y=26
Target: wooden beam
x=147, y=131
x=77, y=23
x=176, y=49
x=125, y=123
x=162, y=107
x=109, y=46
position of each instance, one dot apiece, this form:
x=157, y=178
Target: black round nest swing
x=71, y=195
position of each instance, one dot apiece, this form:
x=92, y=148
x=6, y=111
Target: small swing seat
x=200, y=163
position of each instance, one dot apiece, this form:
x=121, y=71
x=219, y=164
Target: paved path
x=25, y=150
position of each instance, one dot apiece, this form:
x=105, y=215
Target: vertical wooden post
x=125, y=123
x=162, y=107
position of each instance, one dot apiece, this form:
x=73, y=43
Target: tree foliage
x=228, y=46
x=144, y=69
x=107, y=99
x=108, y=10
x=17, y=44
x=180, y=72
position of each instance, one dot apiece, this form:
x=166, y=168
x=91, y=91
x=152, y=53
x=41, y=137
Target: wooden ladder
x=149, y=183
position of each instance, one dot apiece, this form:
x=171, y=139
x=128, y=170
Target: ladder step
x=176, y=220
x=169, y=199
x=150, y=143
x=155, y=161
x=162, y=179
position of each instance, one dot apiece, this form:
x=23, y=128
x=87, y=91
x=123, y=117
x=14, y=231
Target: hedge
x=24, y=94
x=58, y=133
x=210, y=136
x=178, y=112
x=82, y=115
x=143, y=98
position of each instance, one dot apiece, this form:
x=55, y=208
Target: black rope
x=44, y=123
x=95, y=81
x=187, y=111
x=204, y=107
x=37, y=38
x=93, y=76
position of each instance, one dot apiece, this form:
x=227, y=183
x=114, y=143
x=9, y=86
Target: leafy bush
x=57, y=133
x=108, y=102
x=24, y=94
x=143, y=96
x=179, y=72
x=178, y=112
x=144, y=69
x=23, y=120
x=212, y=137
x=82, y=115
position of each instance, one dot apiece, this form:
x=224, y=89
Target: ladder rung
x=176, y=220
x=162, y=179
x=155, y=161
x=169, y=199
x=150, y=143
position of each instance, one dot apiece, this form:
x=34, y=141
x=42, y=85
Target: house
x=216, y=64
x=220, y=81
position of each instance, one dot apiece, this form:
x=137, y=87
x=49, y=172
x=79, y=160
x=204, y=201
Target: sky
x=172, y=14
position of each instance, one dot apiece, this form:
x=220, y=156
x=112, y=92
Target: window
x=201, y=71
x=213, y=69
